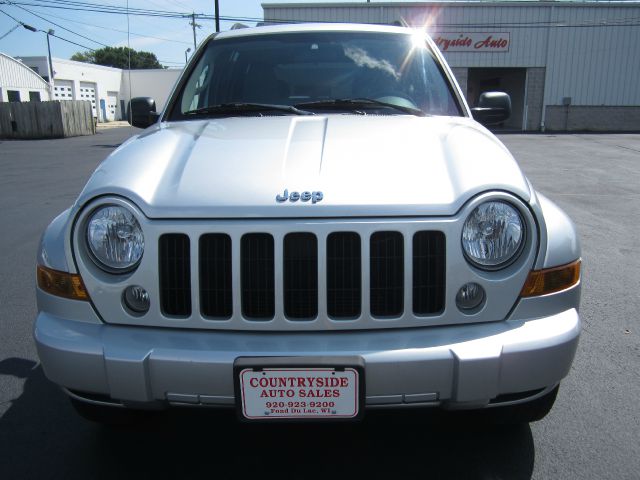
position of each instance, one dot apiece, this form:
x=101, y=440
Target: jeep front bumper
x=463, y=366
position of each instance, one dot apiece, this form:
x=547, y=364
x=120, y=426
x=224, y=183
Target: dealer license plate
x=302, y=393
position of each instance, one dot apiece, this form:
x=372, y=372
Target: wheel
x=105, y=415
x=528, y=412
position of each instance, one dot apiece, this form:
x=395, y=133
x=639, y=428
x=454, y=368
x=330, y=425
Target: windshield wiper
x=358, y=103
x=226, y=108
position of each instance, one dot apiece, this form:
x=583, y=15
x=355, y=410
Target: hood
x=363, y=165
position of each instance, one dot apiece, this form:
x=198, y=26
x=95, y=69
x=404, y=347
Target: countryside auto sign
x=473, y=41
x=299, y=393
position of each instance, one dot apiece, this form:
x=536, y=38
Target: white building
x=19, y=83
x=566, y=65
x=83, y=81
x=157, y=84
x=107, y=88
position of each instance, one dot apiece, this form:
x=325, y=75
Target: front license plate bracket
x=348, y=373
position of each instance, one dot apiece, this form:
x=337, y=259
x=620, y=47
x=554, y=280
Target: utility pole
x=50, y=32
x=194, y=25
x=51, y=74
x=217, y=12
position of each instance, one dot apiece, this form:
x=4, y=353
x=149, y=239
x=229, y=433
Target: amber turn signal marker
x=551, y=280
x=61, y=284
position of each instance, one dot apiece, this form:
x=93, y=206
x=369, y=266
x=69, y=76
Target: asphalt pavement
x=593, y=432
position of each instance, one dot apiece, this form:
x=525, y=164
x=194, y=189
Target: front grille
x=256, y=274
x=175, y=274
x=344, y=276
x=215, y=276
x=251, y=277
x=428, y=272
x=300, y=276
x=387, y=273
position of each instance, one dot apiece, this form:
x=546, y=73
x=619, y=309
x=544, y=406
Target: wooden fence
x=56, y=119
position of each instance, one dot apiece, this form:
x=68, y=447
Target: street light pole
x=50, y=32
x=186, y=59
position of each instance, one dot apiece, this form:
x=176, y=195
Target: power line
x=102, y=9
x=193, y=23
x=17, y=25
x=94, y=7
x=52, y=34
x=13, y=18
x=178, y=2
x=58, y=25
x=173, y=3
x=119, y=31
x=106, y=6
x=67, y=40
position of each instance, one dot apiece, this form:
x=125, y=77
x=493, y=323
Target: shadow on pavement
x=42, y=437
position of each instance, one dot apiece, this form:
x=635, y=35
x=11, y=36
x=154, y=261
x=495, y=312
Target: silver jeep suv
x=316, y=225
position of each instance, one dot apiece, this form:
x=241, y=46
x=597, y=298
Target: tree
x=86, y=57
x=118, y=57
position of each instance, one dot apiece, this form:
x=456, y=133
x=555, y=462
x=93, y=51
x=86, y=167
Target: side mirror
x=142, y=112
x=493, y=108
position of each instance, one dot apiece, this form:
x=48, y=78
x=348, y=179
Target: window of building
x=13, y=95
x=34, y=96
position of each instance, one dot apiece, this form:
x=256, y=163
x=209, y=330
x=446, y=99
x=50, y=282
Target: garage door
x=88, y=92
x=62, y=90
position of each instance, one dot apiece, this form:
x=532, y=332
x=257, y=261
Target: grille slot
x=428, y=272
x=300, y=262
x=386, y=274
x=344, y=277
x=175, y=274
x=215, y=276
x=256, y=276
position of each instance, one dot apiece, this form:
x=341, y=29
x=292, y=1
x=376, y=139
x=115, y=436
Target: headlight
x=115, y=238
x=493, y=235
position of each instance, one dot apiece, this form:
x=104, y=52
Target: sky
x=95, y=29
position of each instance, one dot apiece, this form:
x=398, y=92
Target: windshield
x=317, y=71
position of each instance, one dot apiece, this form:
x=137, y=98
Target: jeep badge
x=315, y=197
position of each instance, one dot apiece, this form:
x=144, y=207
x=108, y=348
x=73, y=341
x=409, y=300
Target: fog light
x=470, y=296
x=136, y=299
